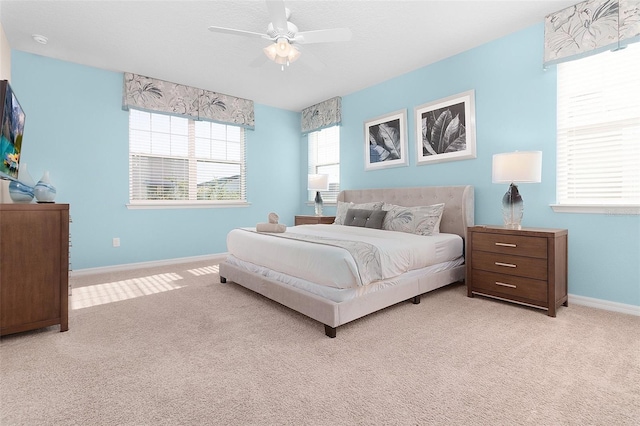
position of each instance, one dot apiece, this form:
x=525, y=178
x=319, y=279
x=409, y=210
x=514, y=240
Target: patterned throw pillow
x=343, y=207
x=421, y=220
x=341, y=212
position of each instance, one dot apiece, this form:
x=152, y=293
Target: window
x=177, y=161
x=324, y=158
x=598, y=152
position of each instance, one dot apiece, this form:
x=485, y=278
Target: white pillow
x=341, y=210
x=420, y=220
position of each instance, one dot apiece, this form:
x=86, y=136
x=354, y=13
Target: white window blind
x=598, y=152
x=175, y=159
x=324, y=158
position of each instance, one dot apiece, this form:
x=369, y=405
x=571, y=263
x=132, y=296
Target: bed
x=311, y=268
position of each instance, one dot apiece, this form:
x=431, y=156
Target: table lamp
x=318, y=182
x=512, y=168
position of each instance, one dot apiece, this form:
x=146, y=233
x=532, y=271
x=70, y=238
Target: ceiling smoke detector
x=39, y=38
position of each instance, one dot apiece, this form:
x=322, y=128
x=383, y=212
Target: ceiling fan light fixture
x=294, y=54
x=274, y=53
x=284, y=35
x=281, y=61
x=271, y=52
x=283, y=47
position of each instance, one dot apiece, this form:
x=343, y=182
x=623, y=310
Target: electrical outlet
x=116, y=242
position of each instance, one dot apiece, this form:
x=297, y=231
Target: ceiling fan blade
x=237, y=32
x=278, y=15
x=324, y=36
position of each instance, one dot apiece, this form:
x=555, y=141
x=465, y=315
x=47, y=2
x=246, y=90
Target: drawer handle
x=505, y=284
x=506, y=245
x=508, y=265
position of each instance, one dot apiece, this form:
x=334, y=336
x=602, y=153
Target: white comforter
x=332, y=266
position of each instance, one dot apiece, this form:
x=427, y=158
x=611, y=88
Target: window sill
x=611, y=210
x=159, y=205
x=324, y=203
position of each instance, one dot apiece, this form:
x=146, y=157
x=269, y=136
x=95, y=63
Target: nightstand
x=527, y=266
x=314, y=220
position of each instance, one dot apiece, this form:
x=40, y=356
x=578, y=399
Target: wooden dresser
x=34, y=267
x=313, y=220
x=527, y=266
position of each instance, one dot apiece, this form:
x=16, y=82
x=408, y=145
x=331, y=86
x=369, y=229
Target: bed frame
x=457, y=216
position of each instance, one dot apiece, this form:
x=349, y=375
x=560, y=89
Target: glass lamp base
x=512, y=208
x=318, y=201
x=513, y=225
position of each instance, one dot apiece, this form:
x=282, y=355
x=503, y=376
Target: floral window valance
x=324, y=114
x=590, y=27
x=155, y=95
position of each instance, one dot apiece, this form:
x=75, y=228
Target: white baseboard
x=573, y=299
x=129, y=266
x=604, y=304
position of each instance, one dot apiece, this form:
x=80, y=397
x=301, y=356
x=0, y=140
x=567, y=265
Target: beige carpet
x=179, y=348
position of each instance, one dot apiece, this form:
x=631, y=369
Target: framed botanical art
x=385, y=141
x=446, y=129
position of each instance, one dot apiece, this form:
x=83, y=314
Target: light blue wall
x=515, y=110
x=76, y=129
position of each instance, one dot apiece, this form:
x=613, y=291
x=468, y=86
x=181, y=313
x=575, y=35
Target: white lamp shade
x=517, y=167
x=318, y=182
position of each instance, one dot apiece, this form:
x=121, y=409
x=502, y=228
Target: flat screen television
x=12, y=130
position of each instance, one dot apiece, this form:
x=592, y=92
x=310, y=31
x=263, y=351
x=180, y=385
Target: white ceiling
x=169, y=40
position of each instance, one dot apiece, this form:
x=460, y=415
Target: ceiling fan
x=284, y=35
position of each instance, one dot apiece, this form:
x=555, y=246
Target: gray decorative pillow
x=365, y=218
x=342, y=208
x=421, y=220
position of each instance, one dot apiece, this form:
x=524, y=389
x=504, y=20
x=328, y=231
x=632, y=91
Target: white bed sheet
x=400, y=252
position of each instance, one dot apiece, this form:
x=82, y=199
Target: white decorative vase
x=20, y=193
x=44, y=191
x=21, y=190
x=24, y=177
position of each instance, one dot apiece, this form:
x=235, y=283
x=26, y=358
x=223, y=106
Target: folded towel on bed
x=271, y=227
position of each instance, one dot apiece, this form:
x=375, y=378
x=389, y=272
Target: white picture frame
x=385, y=141
x=446, y=129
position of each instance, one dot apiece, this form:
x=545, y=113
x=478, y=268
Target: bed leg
x=223, y=280
x=330, y=331
x=416, y=300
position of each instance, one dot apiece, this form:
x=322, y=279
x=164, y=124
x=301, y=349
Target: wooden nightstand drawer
x=529, y=267
x=313, y=220
x=510, y=286
x=511, y=244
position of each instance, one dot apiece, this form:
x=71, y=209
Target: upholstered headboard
x=458, y=202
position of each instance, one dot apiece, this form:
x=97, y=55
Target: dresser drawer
x=529, y=267
x=510, y=244
x=509, y=286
